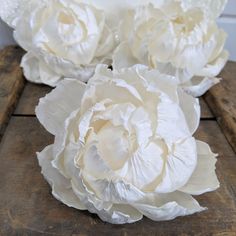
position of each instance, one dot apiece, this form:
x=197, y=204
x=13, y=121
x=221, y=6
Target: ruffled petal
x=213, y=8
x=171, y=123
x=66, y=68
x=120, y=214
x=37, y=71
x=204, y=178
x=113, y=191
x=10, y=11
x=180, y=165
x=61, y=187
x=198, y=86
x=144, y=168
x=55, y=107
x=191, y=108
x=214, y=68
x=169, y=206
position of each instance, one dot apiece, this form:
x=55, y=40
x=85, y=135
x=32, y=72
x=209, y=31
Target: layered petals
x=179, y=38
x=63, y=39
x=123, y=146
x=57, y=106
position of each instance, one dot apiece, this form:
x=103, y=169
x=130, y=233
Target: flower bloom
x=124, y=147
x=179, y=38
x=62, y=39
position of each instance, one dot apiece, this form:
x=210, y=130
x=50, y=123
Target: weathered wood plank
x=11, y=82
x=30, y=98
x=28, y=208
x=205, y=111
x=222, y=101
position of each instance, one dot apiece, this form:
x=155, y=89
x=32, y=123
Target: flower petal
x=191, y=108
x=61, y=187
x=204, y=178
x=37, y=71
x=197, y=89
x=171, y=123
x=10, y=10
x=55, y=107
x=123, y=58
x=65, y=67
x=114, y=191
x=212, y=7
x=120, y=214
x=169, y=206
x=214, y=68
x=180, y=164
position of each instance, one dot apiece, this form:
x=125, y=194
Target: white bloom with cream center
x=62, y=39
x=178, y=39
x=124, y=146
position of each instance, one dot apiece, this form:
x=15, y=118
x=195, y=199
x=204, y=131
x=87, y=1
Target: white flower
x=180, y=41
x=63, y=39
x=124, y=147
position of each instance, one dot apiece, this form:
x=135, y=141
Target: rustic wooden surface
x=30, y=98
x=28, y=208
x=222, y=101
x=11, y=83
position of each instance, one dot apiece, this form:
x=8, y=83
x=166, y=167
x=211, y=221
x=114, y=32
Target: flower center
x=113, y=146
x=65, y=19
x=187, y=21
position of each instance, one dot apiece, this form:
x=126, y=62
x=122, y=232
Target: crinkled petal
x=37, y=71
x=65, y=67
x=191, y=108
x=144, y=168
x=212, y=7
x=114, y=10
x=171, y=123
x=214, y=68
x=115, y=191
x=180, y=164
x=11, y=9
x=107, y=211
x=204, y=178
x=197, y=89
x=55, y=107
x=61, y=187
x=120, y=214
x=169, y=206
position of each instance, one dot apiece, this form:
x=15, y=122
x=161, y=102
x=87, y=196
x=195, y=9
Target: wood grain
x=222, y=101
x=30, y=98
x=11, y=83
x=28, y=208
x=205, y=110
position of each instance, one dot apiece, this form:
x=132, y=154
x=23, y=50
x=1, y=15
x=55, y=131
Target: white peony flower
x=124, y=147
x=63, y=39
x=115, y=9
x=177, y=40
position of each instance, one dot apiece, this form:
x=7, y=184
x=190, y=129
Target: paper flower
x=63, y=39
x=178, y=39
x=124, y=148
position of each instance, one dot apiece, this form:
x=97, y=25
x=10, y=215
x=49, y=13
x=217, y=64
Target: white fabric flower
x=63, y=39
x=180, y=41
x=124, y=147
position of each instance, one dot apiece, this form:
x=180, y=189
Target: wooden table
x=26, y=204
